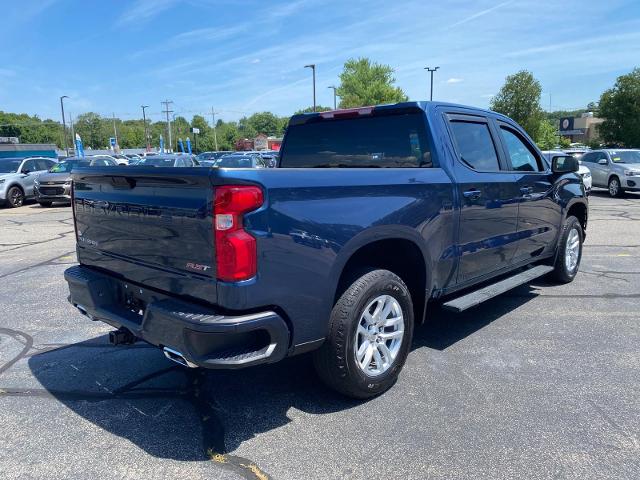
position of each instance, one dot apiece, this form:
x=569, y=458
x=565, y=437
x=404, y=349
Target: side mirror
x=564, y=164
x=603, y=161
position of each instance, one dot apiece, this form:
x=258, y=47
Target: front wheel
x=370, y=334
x=569, y=251
x=615, y=190
x=15, y=197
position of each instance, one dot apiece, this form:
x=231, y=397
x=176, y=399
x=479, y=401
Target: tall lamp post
x=312, y=66
x=431, y=70
x=64, y=126
x=335, y=105
x=146, y=134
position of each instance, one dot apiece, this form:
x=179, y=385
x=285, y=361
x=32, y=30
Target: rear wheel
x=615, y=190
x=15, y=197
x=569, y=251
x=369, y=336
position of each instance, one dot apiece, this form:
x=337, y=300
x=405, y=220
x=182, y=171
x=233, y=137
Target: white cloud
x=255, y=60
x=454, y=80
x=479, y=14
x=144, y=10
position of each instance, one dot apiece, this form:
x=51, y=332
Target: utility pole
x=335, y=107
x=64, y=126
x=115, y=132
x=431, y=70
x=73, y=132
x=213, y=122
x=312, y=66
x=166, y=110
x=146, y=134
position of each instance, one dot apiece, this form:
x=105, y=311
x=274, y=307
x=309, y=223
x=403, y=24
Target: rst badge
x=197, y=267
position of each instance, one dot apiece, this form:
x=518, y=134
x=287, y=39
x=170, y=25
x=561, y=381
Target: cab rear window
x=389, y=141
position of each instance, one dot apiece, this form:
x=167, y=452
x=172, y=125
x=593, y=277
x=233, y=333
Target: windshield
x=157, y=162
x=9, y=165
x=63, y=167
x=628, y=156
x=235, y=161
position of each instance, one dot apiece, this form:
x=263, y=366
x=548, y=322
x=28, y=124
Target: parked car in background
x=617, y=170
x=209, y=156
x=132, y=157
x=168, y=160
x=18, y=177
x=583, y=171
x=239, y=160
x=119, y=159
x=55, y=185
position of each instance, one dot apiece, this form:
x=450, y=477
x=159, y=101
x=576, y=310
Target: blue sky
x=245, y=56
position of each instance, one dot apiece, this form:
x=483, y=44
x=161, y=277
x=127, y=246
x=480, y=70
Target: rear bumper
x=204, y=337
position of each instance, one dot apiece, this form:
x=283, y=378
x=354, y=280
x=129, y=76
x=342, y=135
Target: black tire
x=15, y=197
x=615, y=187
x=562, y=273
x=45, y=204
x=335, y=361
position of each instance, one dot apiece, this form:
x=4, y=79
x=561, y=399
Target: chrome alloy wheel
x=614, y=187
x=379, y=335
x=572, y=250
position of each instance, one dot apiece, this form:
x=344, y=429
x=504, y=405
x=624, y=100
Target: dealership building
x=581, y=129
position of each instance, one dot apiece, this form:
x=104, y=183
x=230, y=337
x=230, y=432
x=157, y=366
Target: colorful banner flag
x=161, y=144
x=181, y=145
x=79, y=147
x=189, y=145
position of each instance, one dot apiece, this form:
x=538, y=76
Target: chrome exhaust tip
x=177, y=357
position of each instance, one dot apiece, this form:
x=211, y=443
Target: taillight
x=236, y=251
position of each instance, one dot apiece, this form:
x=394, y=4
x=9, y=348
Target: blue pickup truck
x=372, y=216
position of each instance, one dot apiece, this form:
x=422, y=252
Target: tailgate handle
x=125, y=182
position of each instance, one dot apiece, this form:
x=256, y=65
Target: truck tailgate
x=148, y=225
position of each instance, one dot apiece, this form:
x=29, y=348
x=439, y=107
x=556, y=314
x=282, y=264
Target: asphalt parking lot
x=542, y=382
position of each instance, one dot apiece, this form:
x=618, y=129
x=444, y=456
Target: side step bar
x=472, y=299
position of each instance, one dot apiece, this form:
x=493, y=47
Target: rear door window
x=386, y=141
x=475, y=145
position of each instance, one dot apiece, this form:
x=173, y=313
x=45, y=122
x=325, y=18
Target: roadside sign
x=195, y=130
x=112, y=141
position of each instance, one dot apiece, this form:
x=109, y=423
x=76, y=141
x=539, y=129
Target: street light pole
x=335, y=105
x=312, y=66
x=431, y=70
x=64, y=126
x=146, y=134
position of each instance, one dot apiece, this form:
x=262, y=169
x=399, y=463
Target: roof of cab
x=407, y=106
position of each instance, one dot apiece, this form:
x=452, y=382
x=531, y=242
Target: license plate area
x=133, y=300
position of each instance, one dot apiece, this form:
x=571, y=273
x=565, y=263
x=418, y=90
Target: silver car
x=17, y=177
x=617, y=170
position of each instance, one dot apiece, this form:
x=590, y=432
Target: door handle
x=472, y=194
x=526, y=190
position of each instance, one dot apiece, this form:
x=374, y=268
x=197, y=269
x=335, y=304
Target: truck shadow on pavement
x=194, y=415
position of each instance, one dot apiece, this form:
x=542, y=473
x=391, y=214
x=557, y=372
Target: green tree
x=264, y=122
x=620, y=108
x=319, y=108
x=519, y=99
x=92, y=129
x=547, y=135
x=363, y=82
